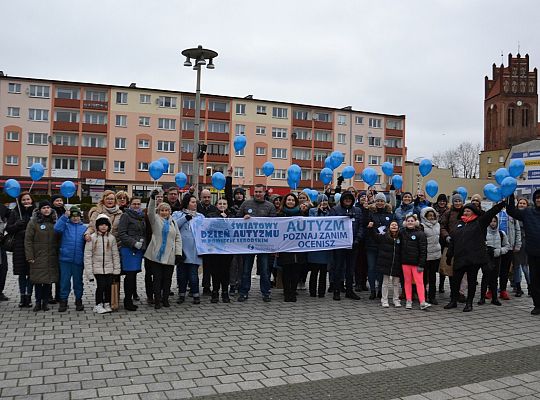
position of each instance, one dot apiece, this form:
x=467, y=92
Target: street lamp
x=419, y=179
x=199, y=56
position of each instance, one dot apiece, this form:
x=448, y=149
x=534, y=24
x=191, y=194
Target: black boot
x=468, y=307
x=351, y=295
x=157, y=303
x=225, y=297
x=373, y=295
x=128, y=305
x=63, y=306
x=452, y=304
x=79, y=305
x=22, y=303
x=337, y=294
x=215, y=297
x=482, y=300
x=37, y=307
x=45, y=305
x=379, y=294
x=28, y=303
x=519, y=292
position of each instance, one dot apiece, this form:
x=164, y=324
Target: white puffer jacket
x=432, y=229
x=101, y=254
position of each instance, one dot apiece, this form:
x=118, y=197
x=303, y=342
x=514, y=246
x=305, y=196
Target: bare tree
x=463, y=161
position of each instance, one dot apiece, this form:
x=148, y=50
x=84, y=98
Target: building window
x=374, y=160
x=165, y=145
x=119, y=166
x=302, y=134
x=39, y=91
x=358, y=139
x=190, y=104
x=167, y=124
x=301, y=154
x=301, y=115
x=490, y=174
x=510, y=116
x=12, y=160
x=37, y=138
x=240, y=153
x=316, y=175
x=394, y=124
x=170, y=170
x=167, y=102
x=260, y=130
x=259, y=172
x=342, y=119
x=261, y=110
x=395, y=160
x=95, y=118
x=489, y=160
x=14, y=88
x=65, y=139
x=525, y=117
x=359, y=158
x=238, y=172
x=375, y=122
x=239, y=129
x=213, y=148
x=14, y=112
x=279, y=112
x=120, y=143
x=323, y=136
x=143, y=144
x=35, y=114
x=322, y=117
x=142, y=166
x=279, y=153
x=306, y=175
x=241, y=109
x=65, y=163
x=121, y=97
x=279, y=133
x=320, y=155
x=187, y=147
x=94, y=141
x=67, y=93
x=395, y=143
x=121, y=120
x=95, y=95
x=342, y=138
x=279, y=174
x=260, y=151
x=374, y=141
x=145, y=99
x=359, y=120
x=501, y=159
x=12, y=136
x=93, y=165
x=36, y=160
x=67, y=116
x=144, y=121
x=218, y=127
x=218, y=106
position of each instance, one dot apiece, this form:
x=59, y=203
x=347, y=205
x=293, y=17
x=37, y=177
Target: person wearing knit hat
x=322, y=197
x=441, y=205
x=405, y=208
x=44, y=203
x=457, y=198
x=74, y=212
x=57, y=204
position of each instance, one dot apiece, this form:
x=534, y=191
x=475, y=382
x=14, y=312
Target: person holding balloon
x=520, y=262
x=4, y=214
x=16, y=225
x=149, y=264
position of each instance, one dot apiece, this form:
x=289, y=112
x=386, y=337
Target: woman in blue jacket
x=71, y=229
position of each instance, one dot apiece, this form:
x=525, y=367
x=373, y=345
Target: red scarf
x=468, y=219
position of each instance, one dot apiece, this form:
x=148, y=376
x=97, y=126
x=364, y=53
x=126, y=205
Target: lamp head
x=187, y=63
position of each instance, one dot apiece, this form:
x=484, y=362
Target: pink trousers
x=410, y=272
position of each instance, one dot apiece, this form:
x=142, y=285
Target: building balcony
x=218, y=115
x=189, y=112
x=318, y=185
x=301, y=142
x=99, y=128
x=223, y=137
x=221, y=158
x=70, y=150
x=302, y=163
x=318, y=164
x=394, y=150
x=67, y=103
x=65, y=126
x=323, y=125
x=186, y=156
x=188, y=135
x=398, y=170
x=96, y=105
x=94, y=151
x=394, y=132
x=322, y=145
x=304, y=183
x=304, y=123
x=65, y=173
x=93, y=174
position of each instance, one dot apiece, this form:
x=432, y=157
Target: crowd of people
x=400, y=244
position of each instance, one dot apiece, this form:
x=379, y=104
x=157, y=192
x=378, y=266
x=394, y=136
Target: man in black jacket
x=4, y=214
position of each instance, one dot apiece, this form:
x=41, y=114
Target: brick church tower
x=511, y=104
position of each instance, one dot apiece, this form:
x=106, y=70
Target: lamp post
x=199, y=56
x=419, y=179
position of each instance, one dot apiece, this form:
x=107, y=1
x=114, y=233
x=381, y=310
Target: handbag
x=115, y=295
x=444, y=268
x=7, y=242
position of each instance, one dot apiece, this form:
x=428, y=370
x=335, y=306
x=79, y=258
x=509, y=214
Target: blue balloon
x=463, y=192
x=294, y=172
x=165, y=163
x=155, y=169
x=348, y=172
x=369, y=175
x=508, y=186
x=500, y=174
x=68, y=189
x=218, y=180
x=180, y=179
x=328, y=163
x=388, y=168
x=268, y=168
x=293, y=183
x=12, y=188
x=337, y=196
x=397, y=181
x=37, y=171
x=326, y=176
x=313, y=194
x=239, y=142
x=336, y=158
x=425, y=167
x=432, y=187
x=493, y=192
x=516, y=168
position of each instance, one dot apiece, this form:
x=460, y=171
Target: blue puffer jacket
x=402, y=211
x=188, y=240
x=72, y=242
x=531, y=223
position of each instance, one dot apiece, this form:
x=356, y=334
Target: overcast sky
x=425, y=59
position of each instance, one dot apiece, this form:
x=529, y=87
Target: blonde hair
x=122, y=193
x=163, y=206
x=105, y=194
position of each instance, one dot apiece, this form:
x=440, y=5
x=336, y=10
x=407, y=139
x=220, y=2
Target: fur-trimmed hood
x=425, y=210
x=40, y=218
x=387, y=208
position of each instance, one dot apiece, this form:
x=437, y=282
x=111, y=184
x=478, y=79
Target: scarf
x=138, y=212
x=291, y=211
x=164, y=236
x=112, y=210
x=468, y=219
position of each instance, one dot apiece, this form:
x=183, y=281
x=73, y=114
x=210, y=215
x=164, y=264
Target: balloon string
x=19, y=207
x=31, y=186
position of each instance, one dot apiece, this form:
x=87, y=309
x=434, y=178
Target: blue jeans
x=25, y=285
x=344, y=264
x=264, y=270
x=70, y=271
x=188, y=272
x=517, y=273
x=373, y=274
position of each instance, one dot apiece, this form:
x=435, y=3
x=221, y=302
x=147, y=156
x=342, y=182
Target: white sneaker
x=425, y=305
x=96, y=308
x=408, y=305
x=397, y=303
x=100, y=309
x=385, y=304
x=107, y=307
x=301, y=286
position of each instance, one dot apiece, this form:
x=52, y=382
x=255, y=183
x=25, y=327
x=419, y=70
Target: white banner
x=271, y=235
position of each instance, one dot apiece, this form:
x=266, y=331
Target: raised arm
x=512, y=210
x=485, y=219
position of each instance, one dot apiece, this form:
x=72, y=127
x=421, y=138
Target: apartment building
x=104, y=136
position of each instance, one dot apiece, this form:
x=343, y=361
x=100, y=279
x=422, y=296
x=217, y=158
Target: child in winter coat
x=413, y=259
x=497, y=245
x=102, y=258
x=432, y=229
x=71, y=229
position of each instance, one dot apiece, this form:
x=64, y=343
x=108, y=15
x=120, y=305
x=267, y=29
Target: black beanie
x=442, y=197
x=472, y=207
x=55, y=196
x=44, y=203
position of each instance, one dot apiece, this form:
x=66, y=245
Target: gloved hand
x=491, y=251
x=189, y=217
x=448, y=239
x=340, y=180
x=20, y=223
x=154, y=193
x=420, y=269
x=138, y=245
